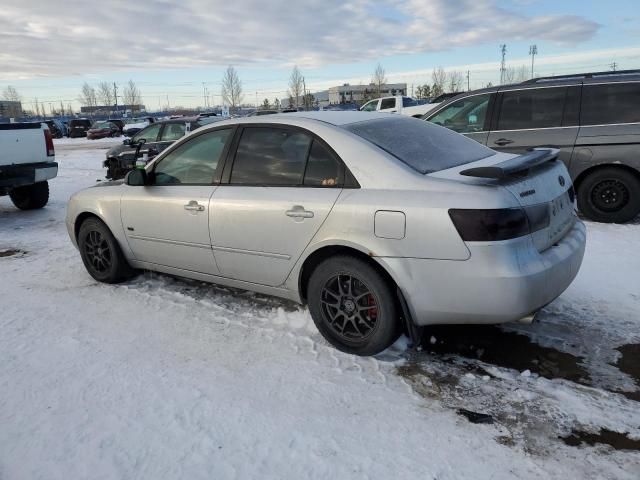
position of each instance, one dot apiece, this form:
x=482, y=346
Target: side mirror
x=136, y=178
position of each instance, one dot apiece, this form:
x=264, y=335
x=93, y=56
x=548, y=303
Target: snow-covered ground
x=168, y=378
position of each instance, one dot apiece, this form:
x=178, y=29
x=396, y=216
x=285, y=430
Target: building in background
x=10, y=109
x=360, y=93
x=109, y=109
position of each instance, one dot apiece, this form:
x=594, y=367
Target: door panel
x=519, y=141
x=161, y=230
x=258, y=233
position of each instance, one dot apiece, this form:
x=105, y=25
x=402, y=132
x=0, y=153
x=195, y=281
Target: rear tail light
x=476, y=225
x=48, y=140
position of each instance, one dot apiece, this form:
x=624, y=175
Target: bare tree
x=105, y=94
x=454, y=81
x=11, y=94
x=295, y=86
x=509, y=75
x=87, y=96
x=131, y=95
x=439, y=77
x=231, y=88
x=379, y=79
x=522, y=74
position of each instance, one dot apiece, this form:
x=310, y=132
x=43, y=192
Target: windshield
x=101, y=125
x=425, y=147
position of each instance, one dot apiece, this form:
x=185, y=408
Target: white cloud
x=45, y=38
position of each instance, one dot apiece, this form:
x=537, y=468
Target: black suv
x=157, y=137
x=593, y=118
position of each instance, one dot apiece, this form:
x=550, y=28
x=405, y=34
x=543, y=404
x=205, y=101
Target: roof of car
x=337, y=118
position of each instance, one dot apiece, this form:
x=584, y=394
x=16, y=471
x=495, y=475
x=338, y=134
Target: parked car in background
x=134, y=125
x=78, y=127
x=398, y=104
x=372, y=219
x=259, y=113
x=103, y=130
x=118, y=122
x=27, y=162
x=157, y=136
x=593, y=118
x=56, y=127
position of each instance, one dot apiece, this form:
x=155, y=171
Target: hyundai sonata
x=378, y=222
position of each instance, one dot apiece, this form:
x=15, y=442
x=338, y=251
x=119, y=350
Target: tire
x=30, y=197
x=364, y=320
x=101, y=254
x=610, y=195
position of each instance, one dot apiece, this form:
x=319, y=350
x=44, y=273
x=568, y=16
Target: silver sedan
x=378, y=222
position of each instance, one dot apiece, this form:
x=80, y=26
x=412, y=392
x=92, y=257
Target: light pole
x=533, y=51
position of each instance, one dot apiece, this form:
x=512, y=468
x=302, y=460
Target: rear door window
x=172, y=131
x=270, y=156
x=610, y=103
x=388, y=103
x=534, y=108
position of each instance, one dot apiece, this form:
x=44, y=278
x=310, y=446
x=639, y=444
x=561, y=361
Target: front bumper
x=500, y=282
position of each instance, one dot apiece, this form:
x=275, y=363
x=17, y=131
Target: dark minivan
x=593, y=118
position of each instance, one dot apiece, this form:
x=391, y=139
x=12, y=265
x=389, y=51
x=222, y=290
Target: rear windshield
x=423, y=146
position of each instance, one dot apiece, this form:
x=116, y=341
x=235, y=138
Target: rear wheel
x=353, y=306
x=610, y=195
x=101, y=253
x=30, y=197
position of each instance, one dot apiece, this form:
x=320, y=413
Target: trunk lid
x=537, y=180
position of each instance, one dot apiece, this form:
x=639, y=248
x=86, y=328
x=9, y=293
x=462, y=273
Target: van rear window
x=422, y=145
x=610, y=103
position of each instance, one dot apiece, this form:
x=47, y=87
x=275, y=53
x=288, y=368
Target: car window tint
x=536, y=108
x=193, y=162
x=150, y=134
x=371, y=106
x=323, y=170
x=388, y=103
x=270, y=156
x=172, y=131
x=611, y=103
x=466, y=115
x=423, y=146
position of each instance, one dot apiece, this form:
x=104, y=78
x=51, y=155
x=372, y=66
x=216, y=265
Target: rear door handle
x=298, y=211
x=503, y=141
x=194, y=206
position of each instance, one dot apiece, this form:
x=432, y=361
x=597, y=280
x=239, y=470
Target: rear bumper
x=500, y=282
x=12, y=176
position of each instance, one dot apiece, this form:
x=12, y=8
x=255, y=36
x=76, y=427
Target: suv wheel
x=30, y=197
x=353, y=306
x=101, y=253
x=610, y=195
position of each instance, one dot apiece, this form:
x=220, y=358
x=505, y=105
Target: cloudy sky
x=49, y=48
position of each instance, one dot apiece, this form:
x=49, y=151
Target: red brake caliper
x=373, y=312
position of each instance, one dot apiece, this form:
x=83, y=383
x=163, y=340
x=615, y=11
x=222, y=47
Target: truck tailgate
x=22, y=143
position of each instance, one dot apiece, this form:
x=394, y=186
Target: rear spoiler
x=520, y=164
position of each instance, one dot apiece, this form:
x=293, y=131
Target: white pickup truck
x=27, y=161
x=398, y=104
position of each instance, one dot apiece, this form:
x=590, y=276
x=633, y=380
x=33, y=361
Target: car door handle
x=503, y=141
x=298, y=211
x=194, y=206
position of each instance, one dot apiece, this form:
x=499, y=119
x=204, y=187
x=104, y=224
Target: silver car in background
x=378, y=222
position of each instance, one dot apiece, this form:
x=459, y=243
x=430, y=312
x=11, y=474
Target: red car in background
x=103, y=130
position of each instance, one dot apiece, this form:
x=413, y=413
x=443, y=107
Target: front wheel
x=353, y=306
x=101, y=254
x=30, y=197
x=610, y=195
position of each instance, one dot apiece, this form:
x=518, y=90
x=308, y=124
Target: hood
x=118, y=149
x=112, y=183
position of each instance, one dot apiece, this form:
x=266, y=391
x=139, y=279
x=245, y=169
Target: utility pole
x=304, y=94
x=503, y=51
x=533, y=51
x=412, y=89
x=204, y=95
x=468, y=80
x=614, y=66
x=115, y=95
